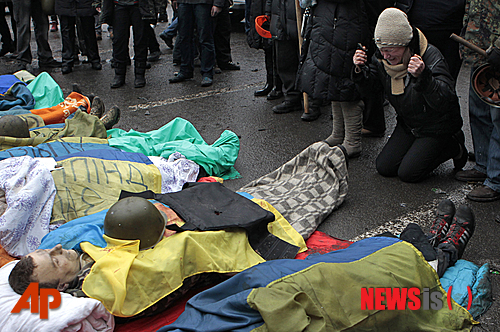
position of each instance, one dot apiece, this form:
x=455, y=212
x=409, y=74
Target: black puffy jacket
x=429, y=105
x=283, y=19
x=74, y=8
x=333, y=32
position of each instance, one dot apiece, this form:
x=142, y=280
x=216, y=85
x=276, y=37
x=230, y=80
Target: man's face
x=393, y=55
x=56, y=264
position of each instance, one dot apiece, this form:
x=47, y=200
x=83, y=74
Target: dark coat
x=254, y=40
x=146, y=7
x=283, y=19
x=74, y=8
x=333, y=32
x=429, y=105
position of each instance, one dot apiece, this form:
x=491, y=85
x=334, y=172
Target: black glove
x=494, y=58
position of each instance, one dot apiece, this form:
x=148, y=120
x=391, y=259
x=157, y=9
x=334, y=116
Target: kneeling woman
x=421, y=89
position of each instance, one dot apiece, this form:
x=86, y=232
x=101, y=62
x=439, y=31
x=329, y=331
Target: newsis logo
x=39, y=299
x=380, y=298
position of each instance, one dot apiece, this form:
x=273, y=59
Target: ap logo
x=39, y=304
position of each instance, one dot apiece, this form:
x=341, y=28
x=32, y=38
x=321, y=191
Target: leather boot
x=269, y=75
x=290, y=104
x=338, y=130
x=140, y=72
x=111, y=117
x=353, y=119
x=266, y=89
x=119, y=79
x=97, y=107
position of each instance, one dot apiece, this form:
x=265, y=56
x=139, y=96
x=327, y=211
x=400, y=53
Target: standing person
x=222, y=39
x=333, y=31
x=438, y=19
x=421, y=89
x=68, y=11
x=284, y=32
x=8, y=45
x=121, y=14
x=253, y=9
x=24, y=11
x=199, y=14
x=482, y=22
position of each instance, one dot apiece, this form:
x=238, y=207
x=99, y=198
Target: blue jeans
x=191, y=15
x=171, y=30
x=485, y=128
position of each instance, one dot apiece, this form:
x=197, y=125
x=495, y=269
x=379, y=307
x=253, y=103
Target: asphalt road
x=373, y=203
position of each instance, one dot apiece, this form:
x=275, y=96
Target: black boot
x=290, y=104
x=140, y=72
x=266, y=89
x=119, y=79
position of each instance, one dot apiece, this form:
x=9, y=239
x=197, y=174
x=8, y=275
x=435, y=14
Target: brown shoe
x=483, y=194
x=470, y=175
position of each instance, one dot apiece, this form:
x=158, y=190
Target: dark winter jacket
x=437, y=14
x=283, y=19
x=74, y=8
x=333, y=32
x=146, y=7
x=429, y=105
x=254, y=40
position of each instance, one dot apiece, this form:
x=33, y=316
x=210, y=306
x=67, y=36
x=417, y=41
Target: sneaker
x=461, y=229
x=470, y=175
x=206, y=81
x=441, y=224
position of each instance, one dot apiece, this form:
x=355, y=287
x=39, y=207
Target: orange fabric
x=60, y=112
x=5, y=257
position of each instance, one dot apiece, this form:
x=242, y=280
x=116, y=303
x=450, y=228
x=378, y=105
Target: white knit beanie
x=393, y=29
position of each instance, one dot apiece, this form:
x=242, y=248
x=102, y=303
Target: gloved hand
x=494, y=58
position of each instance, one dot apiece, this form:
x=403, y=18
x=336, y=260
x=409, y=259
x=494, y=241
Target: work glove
x=494, y=58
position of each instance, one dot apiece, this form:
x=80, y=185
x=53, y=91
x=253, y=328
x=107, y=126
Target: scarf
x=399, y=71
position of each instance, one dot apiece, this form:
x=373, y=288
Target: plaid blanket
x=306, y=189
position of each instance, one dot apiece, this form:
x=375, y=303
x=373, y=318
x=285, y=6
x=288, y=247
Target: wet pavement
x=373, y=204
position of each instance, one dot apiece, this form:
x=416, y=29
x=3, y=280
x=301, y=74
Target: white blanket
x=73, y=315
x=29, y=192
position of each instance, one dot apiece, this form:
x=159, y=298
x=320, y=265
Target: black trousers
x=126, y=16
x=68, y=25
x=222, y=37
x=287, y=64
x=413, y=158
x=153, y=44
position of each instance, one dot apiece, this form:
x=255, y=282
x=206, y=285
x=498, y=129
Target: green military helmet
x=135, y=218
x=14, y=126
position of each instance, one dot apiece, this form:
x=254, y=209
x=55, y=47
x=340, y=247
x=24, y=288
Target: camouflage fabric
x=481, y=27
